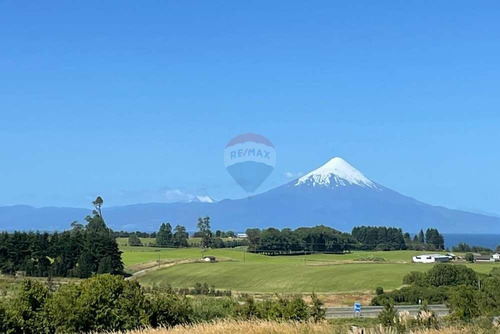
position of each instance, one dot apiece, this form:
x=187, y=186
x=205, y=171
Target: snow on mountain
x=336, y=194
x=336, y=173
x=203, y=199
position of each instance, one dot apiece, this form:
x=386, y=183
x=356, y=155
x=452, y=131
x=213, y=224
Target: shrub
x=101, y=303
x=317, y=310
x=209, y=308
x=388, y=316
x=248, y=310
x=495, y=272
x=26, y=314
x=427, y=318
x=169, y=310
x=61, y=309
x=3, y=318
x=414, y=277
x=450, y=275
x=489, y=296
x=469, y=257
x=464, y=304
x=294, y=309
x=412, y=295
x=379, y=291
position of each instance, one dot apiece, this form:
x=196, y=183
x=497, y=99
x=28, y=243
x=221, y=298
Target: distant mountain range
x=336, y=194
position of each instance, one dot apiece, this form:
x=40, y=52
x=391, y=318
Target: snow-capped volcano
x=336, y=173
x=336, y=194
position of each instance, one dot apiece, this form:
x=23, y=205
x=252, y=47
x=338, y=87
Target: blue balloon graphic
x=250, y=159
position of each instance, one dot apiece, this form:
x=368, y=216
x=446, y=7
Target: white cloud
x=177, y=195
x=292, y=175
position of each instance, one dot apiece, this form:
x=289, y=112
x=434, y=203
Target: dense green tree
x=101, y=243
x=85, y=265
x=134, y=240
x=105, y=266
x=181, y=236
x=98, y=204
x=421, y=237
x=164, y=237
x=253, y=236
x=271, y=240
x=205, y=231
x=442, y=274
x=465, y=248
x=77, y=252
x=217, y=243
x=434, y=239
x=379, y=238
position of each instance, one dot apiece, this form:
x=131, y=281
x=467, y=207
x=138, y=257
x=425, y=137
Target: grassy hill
x=240, y=271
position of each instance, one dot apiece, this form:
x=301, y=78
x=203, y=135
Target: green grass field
x=246, y=272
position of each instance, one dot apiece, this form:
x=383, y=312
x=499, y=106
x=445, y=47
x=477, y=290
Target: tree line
x=305, y=239
x=463, y=247
x=178, y=237
x=80, y=252
x=326, y=239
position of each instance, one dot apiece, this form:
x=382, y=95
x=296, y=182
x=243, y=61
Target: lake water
x=485, y=240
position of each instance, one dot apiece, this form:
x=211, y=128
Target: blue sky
x=132, y=100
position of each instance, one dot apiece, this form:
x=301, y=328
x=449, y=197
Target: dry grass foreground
x=269, y=327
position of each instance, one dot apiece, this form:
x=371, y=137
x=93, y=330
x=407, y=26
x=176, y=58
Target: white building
x=242, y=235
x=496, y=256
x=431, y=258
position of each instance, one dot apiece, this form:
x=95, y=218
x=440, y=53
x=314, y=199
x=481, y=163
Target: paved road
x=373, y=311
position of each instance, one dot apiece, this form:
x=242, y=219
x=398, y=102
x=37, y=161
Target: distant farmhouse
x=242, y=235
x=496, y=256
x=432, y=258
x=483, y=258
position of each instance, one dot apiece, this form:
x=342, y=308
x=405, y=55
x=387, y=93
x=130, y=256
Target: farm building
x=484, y=258
x=496, y=256
x=242, y=235
x=209, y=259
x=431, y=258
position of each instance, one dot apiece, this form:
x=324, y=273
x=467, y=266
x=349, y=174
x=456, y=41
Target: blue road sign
x=357, y=307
